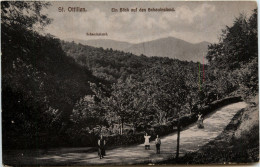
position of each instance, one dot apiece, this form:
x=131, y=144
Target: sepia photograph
x=88, y=83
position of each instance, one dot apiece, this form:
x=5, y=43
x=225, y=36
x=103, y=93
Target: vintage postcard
x=129, y=83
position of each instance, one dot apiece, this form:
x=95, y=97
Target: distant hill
x=104, y=43
x=164, y=47
x=171, y=47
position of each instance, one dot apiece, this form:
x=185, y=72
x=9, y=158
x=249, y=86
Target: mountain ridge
x=104, y=43
x=163, y=47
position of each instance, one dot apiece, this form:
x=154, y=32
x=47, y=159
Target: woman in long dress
x=146, y=141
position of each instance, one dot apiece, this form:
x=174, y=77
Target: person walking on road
x=146, y=141
x=157, y=144
x=200, y=121
x=101, y=147
x=200, y=116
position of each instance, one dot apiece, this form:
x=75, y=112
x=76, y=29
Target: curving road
x=191, y=139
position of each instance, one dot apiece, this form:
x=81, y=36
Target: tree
x=237, y=44
x=229, y=59
x=24, y=14
x=42, y=80
x=120, y=103
x=167, y=88
x=87, y=115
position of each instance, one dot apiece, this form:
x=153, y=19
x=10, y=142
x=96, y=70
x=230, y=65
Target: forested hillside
x=149, y=91
x=58, y=93
x=111, y=64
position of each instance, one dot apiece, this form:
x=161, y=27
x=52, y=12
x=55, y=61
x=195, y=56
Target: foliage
x=42, y=81
x=144, y=91
x=27, y=15
x=233, y=61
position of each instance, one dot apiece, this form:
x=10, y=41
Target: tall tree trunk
x=134, y=128
x=122, y=127
x=119, y=128
x=178, y=139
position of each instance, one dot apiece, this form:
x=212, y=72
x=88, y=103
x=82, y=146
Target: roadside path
x=191, y=139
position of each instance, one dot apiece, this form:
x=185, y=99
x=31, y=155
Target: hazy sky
x=191, y=21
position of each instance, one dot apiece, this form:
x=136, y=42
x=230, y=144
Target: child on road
x=147, y=142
